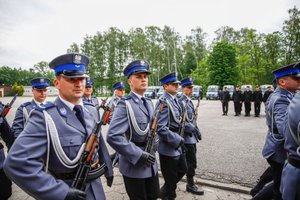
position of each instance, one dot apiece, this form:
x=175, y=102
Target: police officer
x=267, y=94
x=290, y=180
x=6, y=135
x=273, y=151
x=237, y=98
x=128, y=134
x=39, y=92
x=225, y=97
x=87, y=97
x=192, y=135
x=172, y=157
x=257, y=99
x=53, y=139
x=247, y=98
x=119, y=92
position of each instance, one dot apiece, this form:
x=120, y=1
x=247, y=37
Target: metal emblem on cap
x=42, y=80
x=77, y=59
x=142, y=62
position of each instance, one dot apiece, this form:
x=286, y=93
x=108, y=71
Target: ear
x=56, y=83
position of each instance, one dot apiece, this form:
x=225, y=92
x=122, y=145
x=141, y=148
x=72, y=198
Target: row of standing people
x=49, y=135
x=246, y=98
x=281, y=180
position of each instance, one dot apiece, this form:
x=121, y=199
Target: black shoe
x=236, y=115
x=194, y=189
x=223, y=114
x=257, y=188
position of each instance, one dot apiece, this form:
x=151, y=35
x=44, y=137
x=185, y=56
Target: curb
x=223, y=186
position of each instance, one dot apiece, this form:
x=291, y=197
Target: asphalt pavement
x=229, y=155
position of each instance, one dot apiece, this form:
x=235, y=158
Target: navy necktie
x=145, y=104
x=79, y=114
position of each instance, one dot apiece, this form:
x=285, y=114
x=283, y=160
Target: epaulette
x=45, y=106
x=88, y=104
x=25, y=104
x=147, y=98
x=126, y=97
x=287, y=95
x=162, y=99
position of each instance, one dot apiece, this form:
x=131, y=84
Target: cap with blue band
x=40, y=83
x=119, y=85
x=137, y=66
x=187, y=82
x=70, y=65
x=170, y=78
x=288, y=70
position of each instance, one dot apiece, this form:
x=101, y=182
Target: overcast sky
x=39, y=30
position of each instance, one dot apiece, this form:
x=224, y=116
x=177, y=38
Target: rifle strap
x=132, y=121
x=186, y=114
x=52, y=136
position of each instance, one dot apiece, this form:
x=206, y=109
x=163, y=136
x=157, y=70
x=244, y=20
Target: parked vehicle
x=197, y=92
x=264, y=88
x=230, y=89
x=152, y=91
x=243, y=88
x=212, y=92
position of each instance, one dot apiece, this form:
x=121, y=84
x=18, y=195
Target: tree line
x=233, y=57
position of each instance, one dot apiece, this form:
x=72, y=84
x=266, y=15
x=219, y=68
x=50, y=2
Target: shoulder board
x=25, y=104
x=88, y=104
x=48, y=105
x=126, y=97
x=94, y=98
x=287, y=95
x=163, y=99
x=149, y=99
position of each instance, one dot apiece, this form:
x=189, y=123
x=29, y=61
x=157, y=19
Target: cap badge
x=77, y=59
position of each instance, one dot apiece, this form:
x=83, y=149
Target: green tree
x=291, y=32
x=223, y=64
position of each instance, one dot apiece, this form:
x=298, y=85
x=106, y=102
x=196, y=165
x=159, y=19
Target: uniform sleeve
x=163, y=130
x=18, y=123
x=116, y=137
x=280, y=113
x=24, y=163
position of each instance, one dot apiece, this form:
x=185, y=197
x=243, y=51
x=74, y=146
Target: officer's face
x=39, y=95
x=188, y=91
x=120, y=92
x=171, y=88
x=70, y=89
x=138, y=82
x=88, y=90
x=290, y=83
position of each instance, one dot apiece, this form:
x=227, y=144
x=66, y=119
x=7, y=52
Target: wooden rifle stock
x=153, y=129
x=183, y=119
x=8, y=106
x=85, y=162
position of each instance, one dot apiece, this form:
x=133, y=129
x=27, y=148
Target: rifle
x=8, y=106
x=103, y=103
x=195, y=117
x=183, y=119
x=153, y=129
x=85, y=162
x=196, y=112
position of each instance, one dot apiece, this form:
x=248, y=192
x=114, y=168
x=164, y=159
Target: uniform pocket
x=71, y=145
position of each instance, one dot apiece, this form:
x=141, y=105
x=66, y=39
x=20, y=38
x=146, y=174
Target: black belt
x=140, y=144
x=93, y=174
x=174, y=130
x=294, y=162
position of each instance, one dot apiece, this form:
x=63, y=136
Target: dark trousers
x=5, y=186
x=237, y=108
x=247, y=108
x=265, y=194
x=257, y=108
x=173, y=169
x=276, y=174
x=225, y=107
x=191, y=159
x=142, y=188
